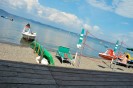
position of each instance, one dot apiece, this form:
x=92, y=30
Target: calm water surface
x=50, y=37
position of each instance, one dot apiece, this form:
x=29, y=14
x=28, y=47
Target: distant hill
x=6, y=14
x=9, y=15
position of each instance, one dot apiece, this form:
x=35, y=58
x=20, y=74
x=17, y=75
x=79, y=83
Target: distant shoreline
x=13, y=44
x=10, y=43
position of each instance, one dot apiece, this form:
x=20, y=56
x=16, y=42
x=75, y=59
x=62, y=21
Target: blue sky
x=110, y=20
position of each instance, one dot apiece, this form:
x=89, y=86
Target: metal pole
x=82, y=48
x=75, y=56
x=117, y=57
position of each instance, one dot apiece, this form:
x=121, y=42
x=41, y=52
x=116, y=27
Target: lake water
x=51, y=38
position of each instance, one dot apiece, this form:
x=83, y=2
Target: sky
x=110, y=20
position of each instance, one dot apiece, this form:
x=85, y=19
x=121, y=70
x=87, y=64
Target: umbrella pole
x=111, y=62
x=117, y=57
x=75, y=56
x=79, y=58
x=81, y=50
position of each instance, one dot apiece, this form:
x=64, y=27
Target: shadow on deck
x=25, y=75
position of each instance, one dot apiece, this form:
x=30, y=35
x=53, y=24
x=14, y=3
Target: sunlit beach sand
x=24, y=54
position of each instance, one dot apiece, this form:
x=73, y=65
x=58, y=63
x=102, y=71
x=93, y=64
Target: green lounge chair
x=63, y=52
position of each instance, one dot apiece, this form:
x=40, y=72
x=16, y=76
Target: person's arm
x=29, y=30
x=24, y=29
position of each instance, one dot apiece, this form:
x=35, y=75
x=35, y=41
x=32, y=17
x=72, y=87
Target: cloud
x=121, y=7
x=100, y=4
x=94, y=30
x=19, y=4
x=126, y=38
x=87, y=27
x=32, y=9
x=125, y=8
x=70, y=1
x=129, y=39
x=131, y=34
x=125, y=23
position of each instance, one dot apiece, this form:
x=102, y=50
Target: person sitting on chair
x=124, y=59
x=27, y=28
x=66, y=57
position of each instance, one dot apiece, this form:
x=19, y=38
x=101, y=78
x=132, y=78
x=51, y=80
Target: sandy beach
x=25, y=54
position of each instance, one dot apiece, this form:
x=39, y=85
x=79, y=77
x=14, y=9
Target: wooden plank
x=78, y=78
x=26, y=86
x=55, y=86
x=92, y=83
x=24, y=75
x=81, y=71
x=90, y=75
x=23, y=65
x=7, y=74
x=96, y=86
x=23, y=70
x=26, y=80
x=35, y=76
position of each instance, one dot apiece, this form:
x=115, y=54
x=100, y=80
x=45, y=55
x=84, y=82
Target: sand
x=16, y=53
x=25, y=54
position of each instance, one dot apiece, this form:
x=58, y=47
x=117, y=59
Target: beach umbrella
x=79, y=44
x=80, y=39
x=116, y=46
x=130, y=49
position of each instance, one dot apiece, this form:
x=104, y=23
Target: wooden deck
x=24, y=75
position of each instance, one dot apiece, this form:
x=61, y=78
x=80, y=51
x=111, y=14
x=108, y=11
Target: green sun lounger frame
x=61, y=53
x=42, y=52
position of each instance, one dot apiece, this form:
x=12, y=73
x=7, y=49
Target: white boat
x=27, y=34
